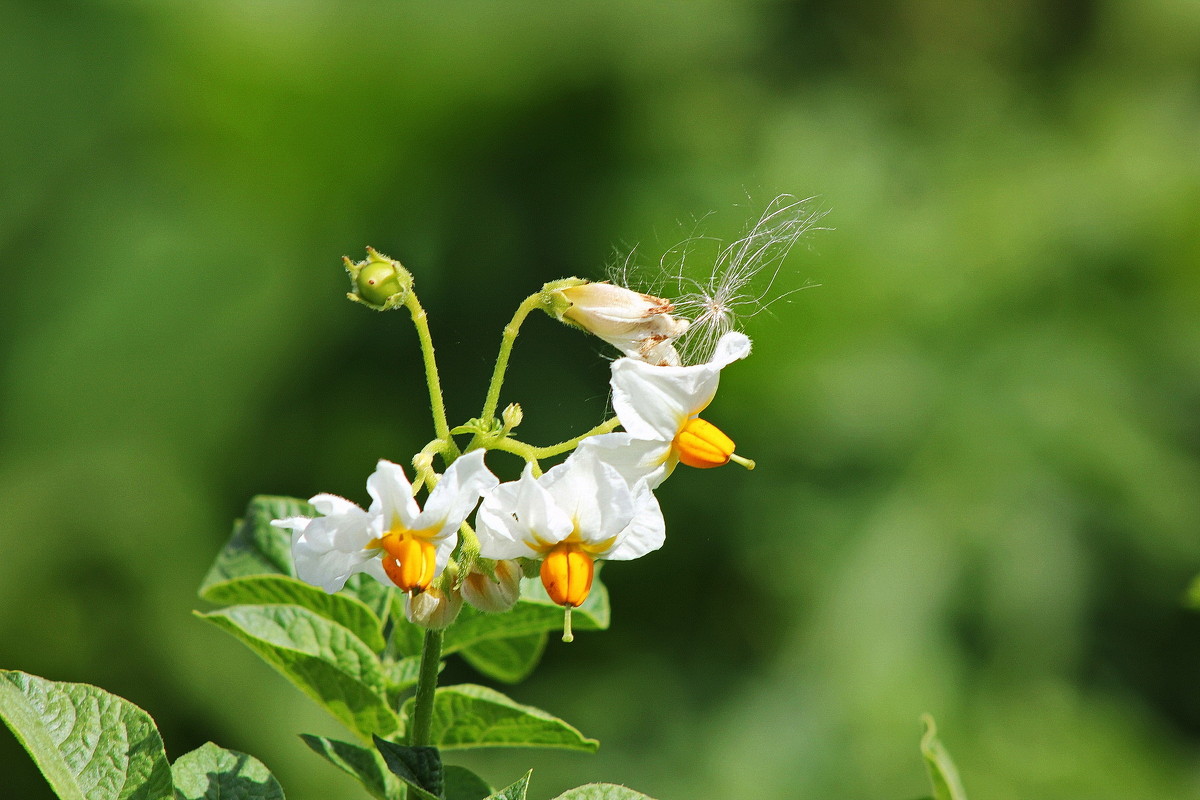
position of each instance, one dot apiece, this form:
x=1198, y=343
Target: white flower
x=578, y=512
x=659, y=409
x=639, y=325
x=393, y=539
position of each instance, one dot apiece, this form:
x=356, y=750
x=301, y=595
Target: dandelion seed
x=741, y=281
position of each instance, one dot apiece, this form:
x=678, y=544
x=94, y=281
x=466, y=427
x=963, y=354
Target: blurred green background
x=978, y=441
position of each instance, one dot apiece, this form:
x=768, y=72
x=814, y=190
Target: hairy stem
x=531, y=453
x=436, y=402
x=506, y=345
x=422, y=716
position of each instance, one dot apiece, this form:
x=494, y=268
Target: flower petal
x=653, y=402
x=636, y=459
x=639, y=325
x=538, y=512
x=374, y=568
x=328, y=550
x=733, y=346
x=292, y=524
x=455, y=496
x=647, y=530
x=391, y=495
x=592, y=494
x=516, y=513
x=500, y=534
x=330, y=504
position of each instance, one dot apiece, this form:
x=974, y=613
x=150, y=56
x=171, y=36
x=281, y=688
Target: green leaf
x=370, y=592
x=407, y=639
x=534, y=613
x=214, y=773
x=419, y=767
x=403, y=674
x=462, y=784
x=89, y=744
x=368, y=767
x=364, y=763
x=509, y=660
x=259, y=548
x=514, y=792
x=327, y=662
x=942, y=772
x=476, y=716
x=602, y=791
x=343, y=609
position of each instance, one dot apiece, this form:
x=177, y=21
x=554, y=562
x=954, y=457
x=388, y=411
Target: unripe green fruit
x=377, y=281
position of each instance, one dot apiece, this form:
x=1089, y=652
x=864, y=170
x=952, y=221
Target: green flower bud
x=433, y=608
x=493, y=593
x=511, y=416
x=378, y=282
x=639, y=325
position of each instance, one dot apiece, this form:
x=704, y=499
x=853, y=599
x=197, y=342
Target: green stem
x=421, y=722
x=467, y=552
x=531, y=453
x=506, y=345
x=420, y=321
x=422, y=462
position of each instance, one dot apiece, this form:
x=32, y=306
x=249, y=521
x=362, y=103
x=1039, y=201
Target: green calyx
x=554, y=302
x=378, y=282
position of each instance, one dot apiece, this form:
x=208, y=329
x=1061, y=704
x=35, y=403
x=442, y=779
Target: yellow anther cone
x=410, y=562
x=567, y=573
x=703, y=445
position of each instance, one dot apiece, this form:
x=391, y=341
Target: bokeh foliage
x=979, y=455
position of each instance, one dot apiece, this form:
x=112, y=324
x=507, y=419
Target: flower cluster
x=597, y=505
